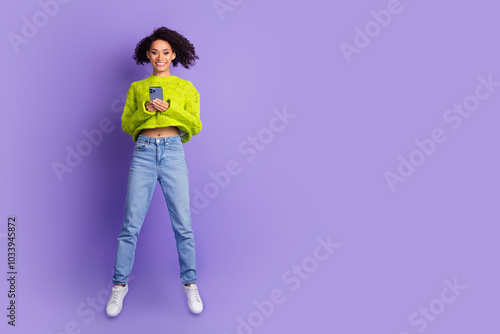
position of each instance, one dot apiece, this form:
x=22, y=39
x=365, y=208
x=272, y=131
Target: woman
x=159, y=128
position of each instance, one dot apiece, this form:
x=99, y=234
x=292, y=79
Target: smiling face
x=160, y=55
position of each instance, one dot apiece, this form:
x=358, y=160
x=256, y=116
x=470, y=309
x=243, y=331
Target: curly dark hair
x=184, y=50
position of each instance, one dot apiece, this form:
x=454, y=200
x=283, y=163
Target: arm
x=186, y=112
x=131, y=115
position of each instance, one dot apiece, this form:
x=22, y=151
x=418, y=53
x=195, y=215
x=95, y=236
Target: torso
x=166, y=131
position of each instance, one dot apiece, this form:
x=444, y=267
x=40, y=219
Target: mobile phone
x=155, y=93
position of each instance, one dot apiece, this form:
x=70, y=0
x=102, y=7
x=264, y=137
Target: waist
x=163, y=140
x=160, y=131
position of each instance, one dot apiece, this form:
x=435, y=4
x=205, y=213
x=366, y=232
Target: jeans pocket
x=176, y=145
x=139, y=146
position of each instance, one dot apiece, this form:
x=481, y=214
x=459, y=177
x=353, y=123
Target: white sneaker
x=115, y=302
x=193, y=297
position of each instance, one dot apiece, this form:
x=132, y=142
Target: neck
x=162, y=74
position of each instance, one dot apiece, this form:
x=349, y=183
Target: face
x=160, y=55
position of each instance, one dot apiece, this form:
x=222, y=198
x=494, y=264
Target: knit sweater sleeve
x=185, y=110
x=132, y=114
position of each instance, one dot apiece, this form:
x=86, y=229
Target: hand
x=150, y=107
x=160, y=105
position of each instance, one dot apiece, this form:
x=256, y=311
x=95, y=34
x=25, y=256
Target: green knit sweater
x=183, y=111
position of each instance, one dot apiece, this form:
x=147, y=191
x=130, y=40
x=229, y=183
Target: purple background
x=322, y=175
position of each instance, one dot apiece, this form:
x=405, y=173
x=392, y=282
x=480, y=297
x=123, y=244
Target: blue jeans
x=157, y=159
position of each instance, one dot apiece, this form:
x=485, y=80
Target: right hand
x=150, y=107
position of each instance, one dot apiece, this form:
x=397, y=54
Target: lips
x=160, y=64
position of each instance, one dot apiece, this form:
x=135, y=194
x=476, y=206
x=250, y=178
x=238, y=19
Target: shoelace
x=193, y=294
x=114, y=296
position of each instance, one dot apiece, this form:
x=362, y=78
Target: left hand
x=160, y=105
